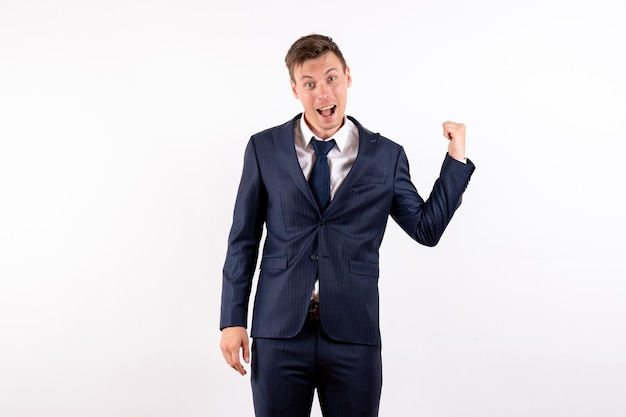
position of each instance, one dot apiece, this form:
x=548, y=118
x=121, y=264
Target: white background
x=122, y=129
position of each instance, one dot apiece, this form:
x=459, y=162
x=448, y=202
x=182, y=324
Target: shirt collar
x=341, y=136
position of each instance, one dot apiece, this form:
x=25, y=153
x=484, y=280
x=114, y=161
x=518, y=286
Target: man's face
x=321, y=85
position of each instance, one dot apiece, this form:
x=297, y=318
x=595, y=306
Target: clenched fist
x=455, y=133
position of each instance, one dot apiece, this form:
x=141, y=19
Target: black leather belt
x=314, y=311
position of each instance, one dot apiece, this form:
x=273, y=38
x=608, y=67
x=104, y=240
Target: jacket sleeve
x=243, y=242
x=425, y=221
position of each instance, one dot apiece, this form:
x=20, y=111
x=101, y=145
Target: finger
x=231, y=356
x=227, y=353
x=452, y=130
x=233, y=360
x=447, y=130
x=239, y=368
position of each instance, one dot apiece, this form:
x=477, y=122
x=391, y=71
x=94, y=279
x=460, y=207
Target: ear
x=293, y=88
x=348, y=76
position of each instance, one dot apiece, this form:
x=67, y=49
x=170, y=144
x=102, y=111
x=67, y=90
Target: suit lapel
x=365, y=156
x=283, y=138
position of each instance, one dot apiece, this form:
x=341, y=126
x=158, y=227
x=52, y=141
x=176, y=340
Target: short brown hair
x=311, y=47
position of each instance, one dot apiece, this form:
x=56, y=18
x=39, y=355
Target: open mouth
x=327, y=111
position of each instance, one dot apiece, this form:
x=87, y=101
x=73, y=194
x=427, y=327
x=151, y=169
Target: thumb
x=246, y=350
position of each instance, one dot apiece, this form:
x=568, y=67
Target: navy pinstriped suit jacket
x=340, y=245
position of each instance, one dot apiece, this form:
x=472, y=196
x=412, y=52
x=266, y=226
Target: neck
x=324, y=134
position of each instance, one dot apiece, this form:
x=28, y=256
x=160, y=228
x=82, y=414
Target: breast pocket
x=367, y=180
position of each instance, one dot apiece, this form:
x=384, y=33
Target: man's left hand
x=455, y=133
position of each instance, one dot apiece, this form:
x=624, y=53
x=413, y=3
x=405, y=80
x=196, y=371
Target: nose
x=324, y=91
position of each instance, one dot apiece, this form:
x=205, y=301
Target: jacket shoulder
x=375, y=136
x=286, y=127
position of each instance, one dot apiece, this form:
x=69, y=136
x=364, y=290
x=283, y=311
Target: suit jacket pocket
x=371, y=180
x=364, y=268
x=274, y=262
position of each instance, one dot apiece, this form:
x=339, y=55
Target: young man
x=324, y=186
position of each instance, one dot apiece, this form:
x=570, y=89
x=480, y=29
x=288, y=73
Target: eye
x=308, y=85
x=332, y=78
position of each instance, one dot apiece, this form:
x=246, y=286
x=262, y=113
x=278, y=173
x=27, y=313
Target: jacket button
x=323, y=223
x=314, y=257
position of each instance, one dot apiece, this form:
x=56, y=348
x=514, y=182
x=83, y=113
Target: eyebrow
x=326, y=73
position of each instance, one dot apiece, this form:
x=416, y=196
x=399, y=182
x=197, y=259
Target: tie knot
x=323, y=147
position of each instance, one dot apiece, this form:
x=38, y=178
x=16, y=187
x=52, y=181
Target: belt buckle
x=314, y=311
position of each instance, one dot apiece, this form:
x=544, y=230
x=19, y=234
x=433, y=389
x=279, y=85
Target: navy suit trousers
x=285, y=373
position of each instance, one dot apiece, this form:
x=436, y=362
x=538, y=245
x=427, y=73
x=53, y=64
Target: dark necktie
x=319, y=181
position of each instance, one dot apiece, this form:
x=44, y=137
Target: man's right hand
x=234, y=339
